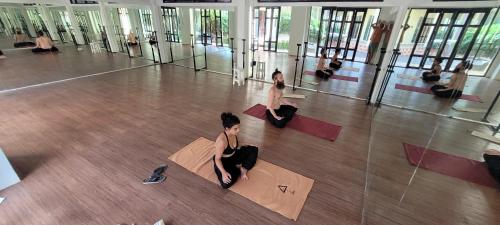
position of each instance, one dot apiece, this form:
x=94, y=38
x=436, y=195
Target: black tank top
x=229, y=150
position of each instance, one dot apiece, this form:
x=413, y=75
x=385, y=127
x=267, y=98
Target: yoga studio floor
x=83, y=147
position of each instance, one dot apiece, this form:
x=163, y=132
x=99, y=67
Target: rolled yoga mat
x=303, y=124
x=426, y=90
x=450, y=165
x=270, y=186
x=334, y=76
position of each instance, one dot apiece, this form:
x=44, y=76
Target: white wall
x=299, y=28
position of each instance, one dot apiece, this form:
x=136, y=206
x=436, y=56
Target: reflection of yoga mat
x=409, y=76
x=270, y=186
x=304, y=124
x=454, y=166
x=350, y=68
x=336, y=77
x=425, y=90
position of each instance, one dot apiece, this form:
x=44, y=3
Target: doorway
x=448, y=34
x=266, y=27
x=171, y=22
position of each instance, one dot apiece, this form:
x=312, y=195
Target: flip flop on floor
x=157, y=176
x=154, y=179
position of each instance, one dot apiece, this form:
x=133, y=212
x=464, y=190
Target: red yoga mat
x=336, y=77
x=300, y=123
x=454, y=166
x=425, y=90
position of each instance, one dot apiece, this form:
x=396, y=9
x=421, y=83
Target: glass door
x=266, y=27
x=171, y=22
x=341, y=28
x=448, y=34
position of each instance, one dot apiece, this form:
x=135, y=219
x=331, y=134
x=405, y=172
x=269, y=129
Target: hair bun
x=225, y=115
x=276, y=70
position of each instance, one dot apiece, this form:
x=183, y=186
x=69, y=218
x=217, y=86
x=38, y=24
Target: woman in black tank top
x=231, y=162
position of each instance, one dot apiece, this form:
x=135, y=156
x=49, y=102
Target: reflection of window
x=414, y=38
x=368, y=27
x=147, y=26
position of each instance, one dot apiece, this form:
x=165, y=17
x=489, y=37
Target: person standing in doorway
x=378, y=29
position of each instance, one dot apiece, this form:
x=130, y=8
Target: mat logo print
x=283, y=189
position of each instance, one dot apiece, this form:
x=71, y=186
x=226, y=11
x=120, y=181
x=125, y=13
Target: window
x=367, y=28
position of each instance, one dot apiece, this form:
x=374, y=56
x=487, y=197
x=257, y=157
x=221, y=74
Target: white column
x=47, y=20
x=108, y=26
x=160, y=31
x=242, y=14
x=398, y=22
x=31, y=28
x=75, y=25
x=299, y=27
x=185, y=25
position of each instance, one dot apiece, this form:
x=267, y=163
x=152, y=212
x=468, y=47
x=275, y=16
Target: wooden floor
x=83, y=146
x=24, y=68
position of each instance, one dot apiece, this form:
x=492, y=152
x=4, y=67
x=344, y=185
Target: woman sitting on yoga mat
x=231, y=162
x=456, y=85
x=43, y=44
x=279, y=110
x=435, y=73
x=321, y=71
x=336, y=64
x=492, y=160
x=21, y=40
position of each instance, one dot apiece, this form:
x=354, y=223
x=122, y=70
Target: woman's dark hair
x=229, y=120
x=323, y=53
x=276, y=72
x=337, y=50
x=39, y=33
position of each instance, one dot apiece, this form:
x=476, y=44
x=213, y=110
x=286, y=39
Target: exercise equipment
x=253, y=56
x=232, y=57
x=296, y=64
x=303, y=124
x=243, y=52
x=388, y=74
x=270, y=186
x=194, y=55
x=304, y=55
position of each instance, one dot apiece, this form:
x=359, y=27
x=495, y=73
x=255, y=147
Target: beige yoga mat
x=270, y=186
